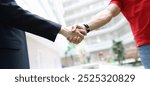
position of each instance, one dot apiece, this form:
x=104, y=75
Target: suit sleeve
x=14, y=16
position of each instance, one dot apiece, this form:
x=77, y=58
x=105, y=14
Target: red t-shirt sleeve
x=117, y=2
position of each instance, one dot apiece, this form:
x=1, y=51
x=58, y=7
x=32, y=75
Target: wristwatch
x=87, y=28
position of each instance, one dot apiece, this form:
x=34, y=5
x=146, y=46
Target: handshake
x=75, y=34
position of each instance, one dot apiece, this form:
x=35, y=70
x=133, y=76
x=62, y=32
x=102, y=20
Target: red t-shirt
x=137, y=13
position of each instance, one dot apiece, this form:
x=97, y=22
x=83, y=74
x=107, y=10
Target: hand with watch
x=87, y=28
x=82, y=29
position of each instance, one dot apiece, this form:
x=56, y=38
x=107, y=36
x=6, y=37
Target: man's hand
x=78, y=28
x=73, y=34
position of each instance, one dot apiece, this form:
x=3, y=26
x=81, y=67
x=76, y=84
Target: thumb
x=74, y=27
x=82, y=31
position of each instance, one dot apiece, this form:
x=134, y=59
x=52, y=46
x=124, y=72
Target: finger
x=74, y=27
x=77, y=26
x=82, y=31
x=79, y=40
x=69, y=39
x=76, y=36
x=79, y=34
x=80, y=26
x=74, y=40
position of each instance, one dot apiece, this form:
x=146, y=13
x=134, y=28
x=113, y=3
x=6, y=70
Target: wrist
x=87, y=28
x=64, y=31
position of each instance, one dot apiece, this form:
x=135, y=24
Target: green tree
x=118, y=49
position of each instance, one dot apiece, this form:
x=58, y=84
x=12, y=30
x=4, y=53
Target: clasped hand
x=75, y=34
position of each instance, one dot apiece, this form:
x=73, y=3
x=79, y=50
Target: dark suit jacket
x=13, y=22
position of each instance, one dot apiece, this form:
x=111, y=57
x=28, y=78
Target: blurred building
x=42, y=52
x=81, y=11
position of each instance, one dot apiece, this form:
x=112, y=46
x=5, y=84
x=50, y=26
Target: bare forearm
x=100, y=20
x=104, y=16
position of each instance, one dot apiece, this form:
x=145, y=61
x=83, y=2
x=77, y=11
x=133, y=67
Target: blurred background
x=112, y=46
